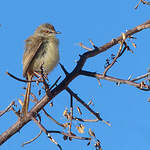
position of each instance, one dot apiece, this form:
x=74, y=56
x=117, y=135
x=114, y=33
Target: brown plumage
x=41, y=49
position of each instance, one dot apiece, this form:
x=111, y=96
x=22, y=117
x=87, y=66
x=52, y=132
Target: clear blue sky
x=125, y=107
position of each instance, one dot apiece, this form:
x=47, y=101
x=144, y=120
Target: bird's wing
x=32, y=46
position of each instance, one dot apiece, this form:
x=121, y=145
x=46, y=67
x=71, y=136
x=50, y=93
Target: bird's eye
x=47, y=31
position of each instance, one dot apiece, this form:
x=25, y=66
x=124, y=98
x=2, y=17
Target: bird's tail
x=27, y=97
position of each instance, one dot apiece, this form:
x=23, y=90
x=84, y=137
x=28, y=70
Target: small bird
x=41, y=50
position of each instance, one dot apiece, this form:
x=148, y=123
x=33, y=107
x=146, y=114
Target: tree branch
x=63, y=85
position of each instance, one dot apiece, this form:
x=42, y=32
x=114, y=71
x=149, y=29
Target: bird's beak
x=58, y=32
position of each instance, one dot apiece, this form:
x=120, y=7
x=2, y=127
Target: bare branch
x=64, y=83
x=142, y=1
x=7, y=109
x=84, y=47
x=83, y=103
x=46, y=132
x=97, y=115
x=114, y=60
x=93, y=44
x=16, y=78
x=85, y=120
x=28, y=142
x=71, y=136
x=113, y=79
x=141, y=77
x=71, y=112
x=55, y=83
x=64, y=69
x=50, y=117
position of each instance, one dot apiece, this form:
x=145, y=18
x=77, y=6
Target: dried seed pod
x=65, y=137
x=79, y=110
x=39, y=92
x=51, y=104
x=80, y=128
x=91, y=133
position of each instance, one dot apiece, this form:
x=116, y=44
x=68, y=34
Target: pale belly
x=47, y=59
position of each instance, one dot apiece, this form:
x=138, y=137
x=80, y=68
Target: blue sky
x=124, y=106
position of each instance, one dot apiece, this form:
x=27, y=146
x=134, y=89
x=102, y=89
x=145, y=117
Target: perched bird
x=41, y=50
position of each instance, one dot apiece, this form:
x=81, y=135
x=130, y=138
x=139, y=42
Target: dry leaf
x=91, y=133
x=80, y=128
x=79, y=110
x=134, y=45
x=65, y=113
x=51, y=104
x=20, y=101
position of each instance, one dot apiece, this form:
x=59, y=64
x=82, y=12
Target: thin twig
x=7, y=109
x=138, y=4
x=68, y=135
x=17, y=113
x=83, y=103
x=46, y=132
x=35, y=100
x=33, y=139
x=97, y=115
x=67, y=80
x=55, y=83
x=114, y=60
x=141, y=77
x=71, y=112
x=64, y=69
x=142, y=1
x=85, y=120
x=16, y=78
x=50, y=117
x=93, y=44
x=28, y=142
x=113, y=79
x=83, y=46
x=125, y=47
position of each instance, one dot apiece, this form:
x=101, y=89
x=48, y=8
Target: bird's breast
x=47, y=57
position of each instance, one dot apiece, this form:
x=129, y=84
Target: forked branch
x=66, y=81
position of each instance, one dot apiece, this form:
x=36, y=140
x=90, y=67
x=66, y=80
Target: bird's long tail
x=27, y=97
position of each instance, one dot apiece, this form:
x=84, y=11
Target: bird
x=41, y=50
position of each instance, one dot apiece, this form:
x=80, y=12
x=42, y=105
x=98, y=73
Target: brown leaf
x=80, y=128
x=20, y=102
x=79, y=110
x=91, y=133
x=65, y=113
x=134, y=45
